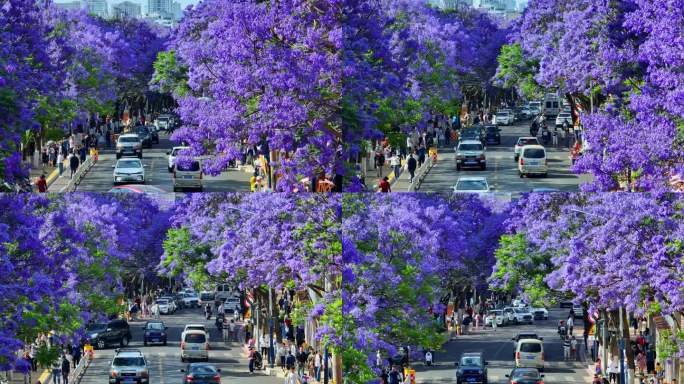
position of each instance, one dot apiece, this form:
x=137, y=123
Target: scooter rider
x=428, y=358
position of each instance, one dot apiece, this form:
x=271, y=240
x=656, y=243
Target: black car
x=153, y=133
x=100, y=335
x=525, y=376
x=493, y=135
x=472, y=368
x=476, y=132
x=145, y=136
x=155, y=332
x=201, y=373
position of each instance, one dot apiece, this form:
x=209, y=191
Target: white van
x=529, y=353
x=552, y=105
x=195, y=345
x=533, y=161
x=224, y=292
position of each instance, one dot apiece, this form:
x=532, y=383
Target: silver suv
x=470, y=153
x=129, y=366
x=129, y=144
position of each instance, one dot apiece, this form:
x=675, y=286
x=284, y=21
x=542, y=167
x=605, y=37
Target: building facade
x=72, y=6
x=97, y=7
x=126, y=9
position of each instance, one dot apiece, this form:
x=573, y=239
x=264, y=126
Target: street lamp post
x=271, y=352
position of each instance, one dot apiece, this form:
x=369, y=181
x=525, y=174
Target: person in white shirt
x=395, y=163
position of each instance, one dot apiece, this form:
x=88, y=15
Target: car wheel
x=164, y=342
x=515, y=158
x=516, y=321
x=101, y=344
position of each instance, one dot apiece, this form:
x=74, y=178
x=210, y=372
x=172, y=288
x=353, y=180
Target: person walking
x=231, y=331
x=73, y=163
x=66, y=368
x=318, y=364
x=251, y=355
x=292, y=377
x=570, y=323
x=41, y=184
x=60, y=162
x=301, y=360
x=613, y=370
x=290, y=360
x=554, y=137
x=566, y=348
x=263, y=341
x=57, y=371
x=395, y=163
x=394, y=376
x=494, y=323
x=384, y=185
x=573, y=348
x=412, y=164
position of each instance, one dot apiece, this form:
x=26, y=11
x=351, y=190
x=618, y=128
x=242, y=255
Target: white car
x=522, y=315
x=530, y=353
x=193, y=327
x=494, y=314
x=532, y=161
x=470, y=153
x=471, y=184
x=504, y=118
x=172, y=154
x=523, y=141
x=540, y=313
x=129, y=170
x=172, y=303
x=190, y=300
x=564, y=117
x=164, y=306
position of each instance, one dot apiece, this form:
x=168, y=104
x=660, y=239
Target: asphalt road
x=502, y=171
x=498, y=350
x=165, y=361
x=99, y=178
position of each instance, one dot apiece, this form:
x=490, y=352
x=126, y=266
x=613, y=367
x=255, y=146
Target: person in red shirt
x=385, y=185
x=41, y=184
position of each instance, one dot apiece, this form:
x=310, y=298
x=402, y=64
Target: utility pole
x=271, y=352
x=623, y=376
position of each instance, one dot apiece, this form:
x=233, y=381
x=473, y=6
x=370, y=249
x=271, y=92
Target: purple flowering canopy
x=400, y=270
x=627, y=56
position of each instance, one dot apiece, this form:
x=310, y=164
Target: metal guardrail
x=78, y=176
x=420, y=175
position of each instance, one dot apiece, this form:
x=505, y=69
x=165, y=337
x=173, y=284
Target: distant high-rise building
x=97, y=7
x=126, y=9
x=159, y=8
x=177, y=10
x=72, y=6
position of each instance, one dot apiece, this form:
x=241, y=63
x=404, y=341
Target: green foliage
x=170, y=75
x=181, y=255
x=521, y=268
x=517, y=72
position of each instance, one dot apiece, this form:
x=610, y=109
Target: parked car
x=206, y=297
x=530, y=353
x=172, y=154
x=533, y=161
x=492, y=135
x=526, y=112
x=101, y=335
x=201, y=373
x=164, y=306
x=129, y=170
x=188, y=175
x=129, y=144
x=471, y=184
x=194, y=345
x=472, y=368
x=492, y=315
x=173, y=306
x=155, y=332
x=566, y=304
x=129, y=366
x=470, y=153
x=525, y=376
x=523, y=141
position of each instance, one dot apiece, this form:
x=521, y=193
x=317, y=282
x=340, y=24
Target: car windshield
x=518, y=310
x=530, y=347
x=162, y=301
x=128, y=361
x=527, y=336
x=97, y=327
x=203, y=369
x=502, y=114
x=470, y=361
x=207, y=296
x=492, y=129
x=128, y=164
x=529, y=141
x=564, y=115
x=470, y=147
x=143, y=130
x=128, y=139
x=195, y=338
x=471, y=185
x=534, y=153
x=497, y=313
x=155, y=326
x=525, y=374
x=192, y=166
